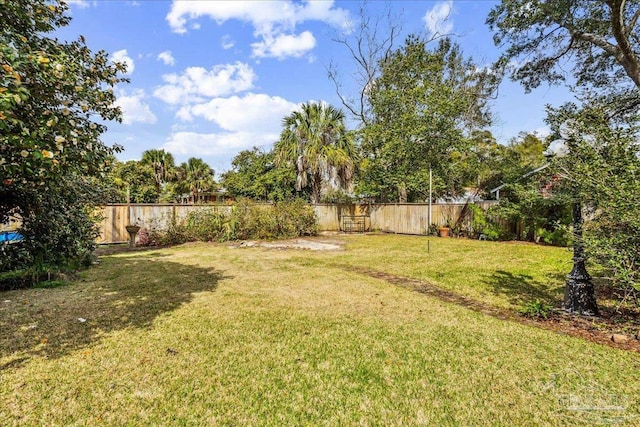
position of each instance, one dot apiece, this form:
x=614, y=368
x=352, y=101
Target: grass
x=204, y=334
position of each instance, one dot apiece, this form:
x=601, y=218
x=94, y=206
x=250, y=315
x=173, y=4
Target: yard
x=377, y=332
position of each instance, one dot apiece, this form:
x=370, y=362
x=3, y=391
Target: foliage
x=135, y=179
x=337, y=196
x=481, y=167
x=560, y=235
x=15, y=279
x=195, y=177
x=254, y=175
x=483, y=224
x=422, y=103
x=65, y=240
x=162, y=164
x=597, y=39
x=529, y=195
x=316, y=144
x=245, y=220
x=536, y=309
x=494, y=232
x=174, y=234
x=527, y=205
x=283, y=220
x=54, y=99
x=155, y=178
x=603, y=169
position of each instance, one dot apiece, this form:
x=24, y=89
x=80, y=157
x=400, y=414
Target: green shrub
x=559, y=236
x=536, y=309
x=207, y=225
x=15, y=279
x=495, y=232
x=479, y=220
x=336, y=196
x=246, y=220
x=175, y=234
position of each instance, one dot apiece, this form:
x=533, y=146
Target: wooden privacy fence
x=117, y=216
x=407, y=218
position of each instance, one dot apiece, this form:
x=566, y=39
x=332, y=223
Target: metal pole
x=430, y=192
x=429, y=211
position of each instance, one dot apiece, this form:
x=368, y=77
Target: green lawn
x=204, y=334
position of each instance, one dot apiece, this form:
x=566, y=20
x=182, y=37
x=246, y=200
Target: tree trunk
x=402, y=193
x=316, y=187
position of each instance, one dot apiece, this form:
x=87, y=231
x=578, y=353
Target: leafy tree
x=479, y=167
x=163, y=166
x=603, y=169
x=254, y=175
x=135, y=178
x=422, y=104
x=523, y=199
x=316, y=143
x=54, y=97
x=597, y=38
x=195, y=177
x=599, y=41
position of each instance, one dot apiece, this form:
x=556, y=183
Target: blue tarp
x=8, y=236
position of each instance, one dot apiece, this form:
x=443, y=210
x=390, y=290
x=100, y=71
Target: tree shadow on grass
x=521, y=289
x=125, y=291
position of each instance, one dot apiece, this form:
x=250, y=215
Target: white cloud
x=437, y=19
x=166, y=57
x=215, y=144
x=274, y=22
x=227, y=42
x=259, y=112
x=134, y=109
x=244, y=122
x=123, y=56
x=82, y=4
x=196, y=82
x=283, y=46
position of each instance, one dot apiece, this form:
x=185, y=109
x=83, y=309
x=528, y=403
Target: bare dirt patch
x=308, y=244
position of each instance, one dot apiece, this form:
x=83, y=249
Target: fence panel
x=403, y=218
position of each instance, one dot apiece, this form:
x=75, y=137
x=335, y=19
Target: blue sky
x=211, y=78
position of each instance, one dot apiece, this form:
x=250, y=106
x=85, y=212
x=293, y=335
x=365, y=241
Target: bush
x=246, y=220
x=175, y=234
x=15, y=279
x=559, y=236
x=209, y=225
x=58, y=229
x=536, y=309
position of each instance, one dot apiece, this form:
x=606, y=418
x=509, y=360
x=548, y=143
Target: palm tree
x=163, y=166
x=197, y=177
x=316, y=142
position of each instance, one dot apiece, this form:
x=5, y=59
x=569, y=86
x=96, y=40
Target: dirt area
x=312, y=245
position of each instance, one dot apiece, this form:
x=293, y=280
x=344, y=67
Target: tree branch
x=602, y=43
x=625, y=53
x=632, y=23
